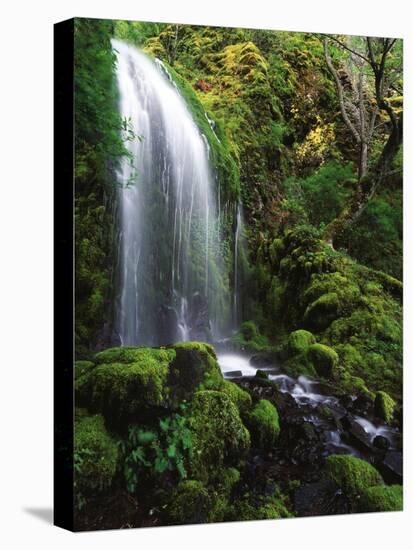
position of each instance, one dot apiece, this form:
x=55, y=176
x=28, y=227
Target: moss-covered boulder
x=352, y=474
x=323, y=359
x=250, y=509
x=264, y=424
x=382, y=499
x=96, y=454
x=299, y=341
x=238, y=396
x=384, y=406
x=190, y=503
x=218, y=435
x=128, y=380
x=194, y=364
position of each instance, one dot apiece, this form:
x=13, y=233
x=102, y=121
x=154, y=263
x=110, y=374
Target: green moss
x=384, y=406
x=246, y=509
x=95, y=454
x=195, y=364
x=322, y=312
x=352, y=474
x=82, y=385
x=238, y=396
x=83, y=367
x=227, y=480
x=323, y=358
x=127, y=380
x=218, y=434
x=382, y=499
x=264, y=424
x=250, y=338
x=190, y=503
x=299, y=341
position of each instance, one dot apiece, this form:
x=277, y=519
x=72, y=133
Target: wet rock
x=107, y=338
x=363, y=405
x=199, y=322
x=321, y=498
x=168, y=324
x=261, y=374
x=347, y=401
x=233, y=374
x=391, y=467
x=381, y=442
x=355, y=434
x=264, y=359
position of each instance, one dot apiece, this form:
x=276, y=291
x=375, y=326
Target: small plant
x=150, y=452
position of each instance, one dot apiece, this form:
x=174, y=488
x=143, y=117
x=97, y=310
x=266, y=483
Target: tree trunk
x=366, y=187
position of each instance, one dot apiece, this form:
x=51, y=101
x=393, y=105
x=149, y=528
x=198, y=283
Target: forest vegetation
x=307, y=134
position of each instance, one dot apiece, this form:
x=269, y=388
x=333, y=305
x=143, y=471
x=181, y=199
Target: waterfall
x=238, y=247
x=172, y=280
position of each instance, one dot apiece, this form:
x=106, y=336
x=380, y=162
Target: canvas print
x=238, y=268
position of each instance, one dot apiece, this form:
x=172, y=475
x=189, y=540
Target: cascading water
x=237, y=244
x=172, y=284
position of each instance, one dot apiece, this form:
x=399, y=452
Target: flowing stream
x=309, y=399
x=172, y=279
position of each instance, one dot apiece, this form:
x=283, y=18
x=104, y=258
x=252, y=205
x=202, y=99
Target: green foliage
x=382, y=499
x=149, y=453
x=319, y=197
x=352, y=474
x=95, y=457
x=98, y=144
x=250, y=338
x=264, y=425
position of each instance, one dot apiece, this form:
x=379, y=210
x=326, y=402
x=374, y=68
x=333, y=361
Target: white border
x=26, y=271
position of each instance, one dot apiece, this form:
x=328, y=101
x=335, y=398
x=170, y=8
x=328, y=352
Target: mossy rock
x=194, y=364
x=352, y=474
x=82, y=368
x=96, y=454
x=250, y=338
x=127, y=380
x=323, y=359
x=247, y=509
x=238, y=396
x=218, y=434
x=382, y=499
x=299, y=341
x=322, y=312
x=82, y=385
x=190, y=503
x=384, y=406
x=264, y=424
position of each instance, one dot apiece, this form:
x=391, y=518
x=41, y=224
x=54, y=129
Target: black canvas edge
x=63, y=273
